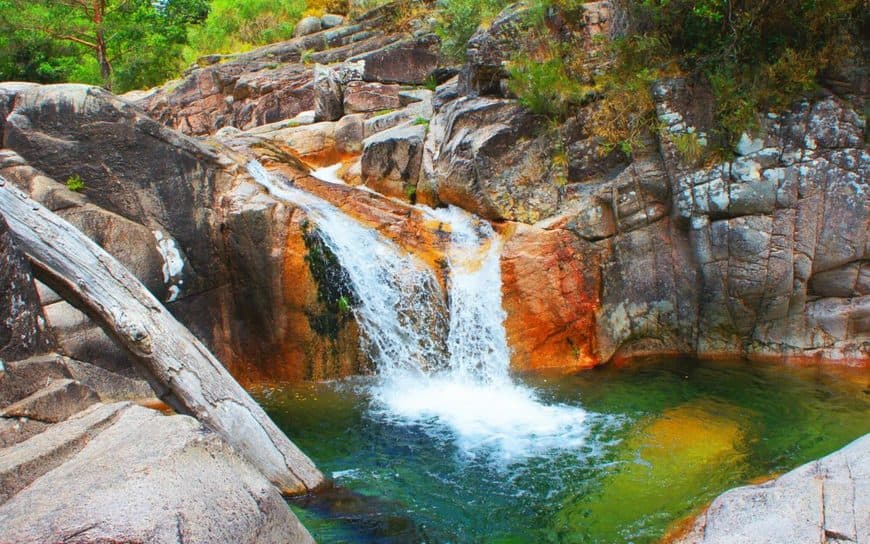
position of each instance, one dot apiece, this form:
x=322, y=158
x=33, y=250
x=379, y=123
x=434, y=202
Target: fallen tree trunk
x=194, y=382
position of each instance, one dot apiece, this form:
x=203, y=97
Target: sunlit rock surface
x=824, y=501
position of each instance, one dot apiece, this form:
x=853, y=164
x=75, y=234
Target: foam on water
x=443, y=367
x=329, y=174
x=474, y=398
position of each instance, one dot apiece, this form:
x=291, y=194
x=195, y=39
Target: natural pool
x=660, y=439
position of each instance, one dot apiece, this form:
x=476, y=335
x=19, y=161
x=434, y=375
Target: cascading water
x=400, y=309
x=444, y=368
x=473, y=399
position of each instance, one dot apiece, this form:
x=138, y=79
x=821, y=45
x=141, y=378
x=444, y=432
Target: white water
x=329, y=174
x=447, y=375
x=474, y=400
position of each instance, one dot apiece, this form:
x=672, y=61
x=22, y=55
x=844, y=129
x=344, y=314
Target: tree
x=112, y=32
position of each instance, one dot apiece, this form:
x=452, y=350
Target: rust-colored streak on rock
x=550, y=295
x=405, y=225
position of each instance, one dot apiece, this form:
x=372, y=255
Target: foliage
x=322, y=7
x=234, y=25
x=118, y=43
x=420, y=121
x=754, y=54
x=334, y=289
x=543, y=85
x=625, y=111
x=459, y=19
x=411, y=193
x=306, y=56
x=688, y=146
x=127, y=44
x=75, y=183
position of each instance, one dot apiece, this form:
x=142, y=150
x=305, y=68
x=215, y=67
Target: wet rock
x=391, y=160
x=549, y=292
x=277, y=295
x=361, y=96
x=112, y=474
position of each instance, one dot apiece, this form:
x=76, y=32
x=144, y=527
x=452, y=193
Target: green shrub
x=411, y=193
x=459, y=19
x=234, y=25
x=305, y=56
x=420, y=121
x=689, y=147
x=544, y=86
x=75, y=183
x=755, y=56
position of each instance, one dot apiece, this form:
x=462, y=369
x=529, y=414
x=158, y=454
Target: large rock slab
x=55, y=402
x=485, y=155
x=825, y=501
x=118, y=481
x=362, y=97
x=391, y=160
x=408, y=62
x=76, y=130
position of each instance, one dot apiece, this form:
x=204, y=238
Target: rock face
x=822, y=501
x=391, y=160
x=482, y=155
x=22, y=323
x=742, y=258
x=75, y=130
x=113, y=472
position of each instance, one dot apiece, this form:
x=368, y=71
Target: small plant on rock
x=75, y=183
x=305, y=56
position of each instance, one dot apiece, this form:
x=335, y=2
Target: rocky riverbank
x=825, y=501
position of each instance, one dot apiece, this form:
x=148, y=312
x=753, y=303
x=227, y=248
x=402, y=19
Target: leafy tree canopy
x=121, y=44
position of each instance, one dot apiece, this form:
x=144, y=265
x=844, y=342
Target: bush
x=459, y=19
x=234, y=25
x=755, y=56
x=544, y=86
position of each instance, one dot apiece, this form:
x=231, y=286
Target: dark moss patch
x=334, y=291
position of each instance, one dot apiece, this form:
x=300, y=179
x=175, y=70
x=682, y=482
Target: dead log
x=194, y=381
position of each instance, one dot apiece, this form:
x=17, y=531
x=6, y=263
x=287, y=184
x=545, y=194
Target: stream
x=445, y=444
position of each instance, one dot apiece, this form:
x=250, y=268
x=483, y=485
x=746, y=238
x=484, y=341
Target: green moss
x=335, y=294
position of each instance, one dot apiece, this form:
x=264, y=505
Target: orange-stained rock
x=402, y=223
x=550, y=295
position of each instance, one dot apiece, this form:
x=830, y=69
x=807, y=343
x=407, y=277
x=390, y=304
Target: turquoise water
x=662, y=438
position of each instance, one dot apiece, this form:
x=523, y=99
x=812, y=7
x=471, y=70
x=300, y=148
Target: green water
x=664, y=438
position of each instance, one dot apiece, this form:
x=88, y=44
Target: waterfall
x=441, y=367
x=400, y=308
